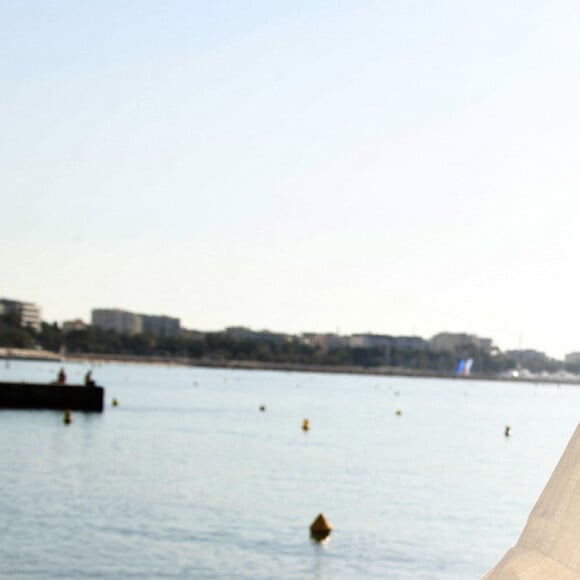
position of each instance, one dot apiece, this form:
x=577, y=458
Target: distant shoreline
x=46, y=356
x=29, y=354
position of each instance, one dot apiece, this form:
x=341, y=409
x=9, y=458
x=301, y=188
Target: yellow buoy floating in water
x=320, y=528
x=67, y=417
x=115, y=403
x=305, y=425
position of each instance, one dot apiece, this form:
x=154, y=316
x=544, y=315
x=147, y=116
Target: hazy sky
x=400, y=167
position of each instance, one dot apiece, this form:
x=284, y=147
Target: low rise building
x=450, y=341
x=244, y=333
x=324, y=342
x=572, y=358
x=410, y=343
x=192, y=334
x=526, y=356
x=370, y=341
x=70, y=325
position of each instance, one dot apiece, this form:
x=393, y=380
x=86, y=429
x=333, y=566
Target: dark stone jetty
x=43, y=396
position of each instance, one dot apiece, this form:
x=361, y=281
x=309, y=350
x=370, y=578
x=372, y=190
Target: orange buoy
x=305, y=425
x=320, y=528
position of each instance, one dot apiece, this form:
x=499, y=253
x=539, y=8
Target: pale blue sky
x=386, y=166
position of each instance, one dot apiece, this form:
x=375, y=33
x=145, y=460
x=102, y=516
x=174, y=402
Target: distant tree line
x=222, y=347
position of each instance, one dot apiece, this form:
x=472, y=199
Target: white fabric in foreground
x=549, y=547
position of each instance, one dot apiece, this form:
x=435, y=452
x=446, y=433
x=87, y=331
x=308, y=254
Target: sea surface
x=187, y=478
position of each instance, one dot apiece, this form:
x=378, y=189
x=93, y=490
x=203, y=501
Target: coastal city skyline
x=340, y=167
x=129, y=322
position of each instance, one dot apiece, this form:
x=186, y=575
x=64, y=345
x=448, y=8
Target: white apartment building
x=27, y=313
x=126, y=322
x=117, y=320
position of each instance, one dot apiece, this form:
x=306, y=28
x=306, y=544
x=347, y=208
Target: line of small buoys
x=115, y=402
x=305, y=425
x=67, y=417
x=320, y=528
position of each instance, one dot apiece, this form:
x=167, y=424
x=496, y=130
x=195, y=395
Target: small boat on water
x=51, y=396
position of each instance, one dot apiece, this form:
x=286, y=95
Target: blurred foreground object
x=549, y=547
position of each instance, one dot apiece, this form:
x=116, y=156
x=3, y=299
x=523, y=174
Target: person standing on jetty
x=89, y=381
x=61, y=379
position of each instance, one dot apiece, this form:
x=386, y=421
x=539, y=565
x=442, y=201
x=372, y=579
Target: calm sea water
x=188, y=479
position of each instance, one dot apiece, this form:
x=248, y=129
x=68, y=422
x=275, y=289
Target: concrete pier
x=43, y=396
